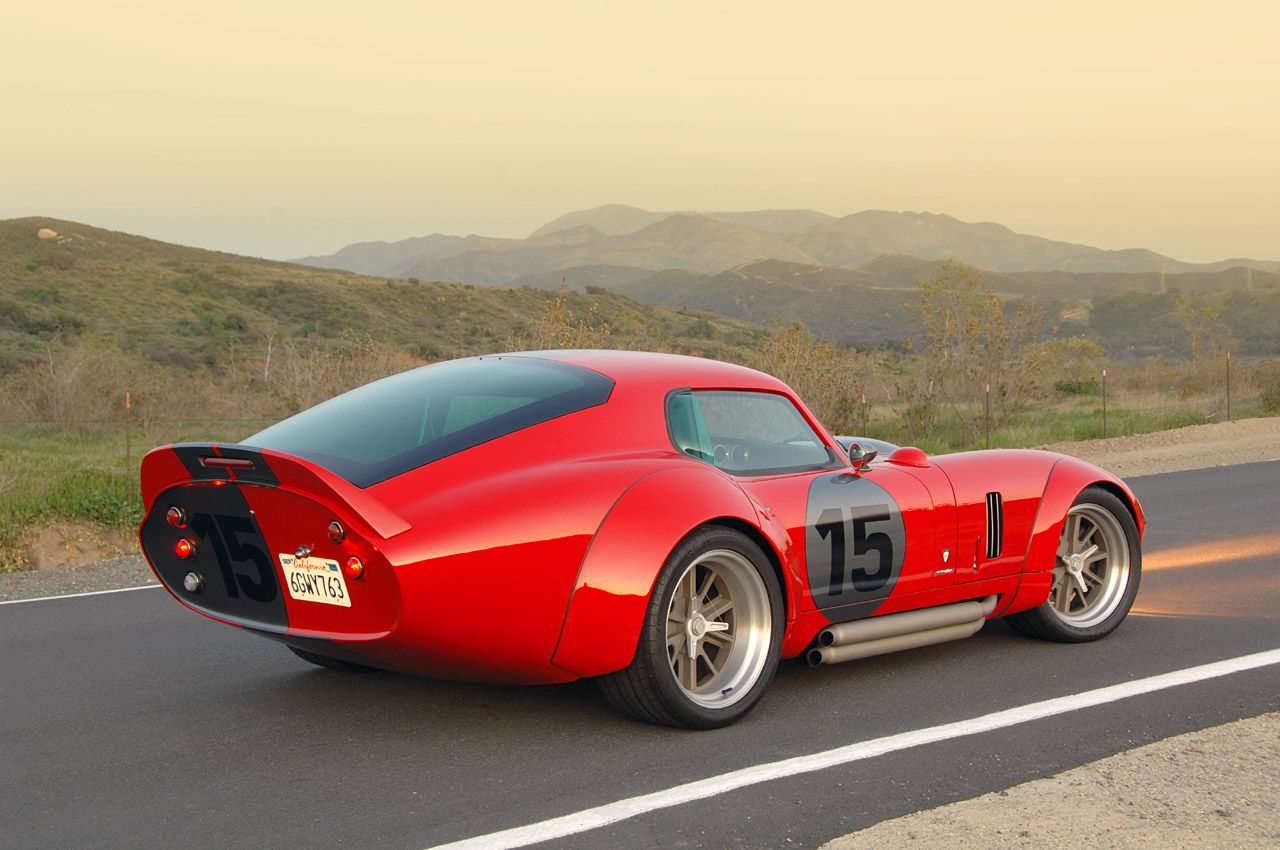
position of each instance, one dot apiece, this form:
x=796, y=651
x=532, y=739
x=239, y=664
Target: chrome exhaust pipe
x=895, y=632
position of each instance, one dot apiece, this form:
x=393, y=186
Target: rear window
x=391, y=426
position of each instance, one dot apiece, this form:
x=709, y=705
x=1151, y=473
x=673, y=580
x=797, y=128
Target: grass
x=1063, y=422
x=50, y=474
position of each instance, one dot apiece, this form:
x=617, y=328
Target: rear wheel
x=1095, y=576
x=332, y=663
x=711, y=637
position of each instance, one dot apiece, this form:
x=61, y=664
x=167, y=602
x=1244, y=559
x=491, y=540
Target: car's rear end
x=270, y=542
x=433, y=521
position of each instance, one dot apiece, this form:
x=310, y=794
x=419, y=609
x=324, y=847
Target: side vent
x=995, y=525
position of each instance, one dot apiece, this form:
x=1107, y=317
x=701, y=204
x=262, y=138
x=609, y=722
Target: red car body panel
x=530, y=558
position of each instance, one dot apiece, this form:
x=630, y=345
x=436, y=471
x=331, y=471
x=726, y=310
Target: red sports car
x=671, y=526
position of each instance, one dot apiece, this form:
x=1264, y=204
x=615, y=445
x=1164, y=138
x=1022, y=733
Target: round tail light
x=336, y=532
x=355, y=568
x=184, y=549
x=176, y=517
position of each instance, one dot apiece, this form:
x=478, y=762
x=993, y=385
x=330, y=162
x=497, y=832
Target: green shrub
x=93, y=495
x=1269, y=383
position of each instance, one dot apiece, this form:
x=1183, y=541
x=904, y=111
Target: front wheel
x=711, y=637
x=1095, y=575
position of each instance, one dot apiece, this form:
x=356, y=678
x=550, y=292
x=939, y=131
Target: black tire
x=1104, y=521
x=332, y=663
x=746, y=646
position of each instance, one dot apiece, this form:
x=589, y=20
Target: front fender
x=1067, y=478
x=607, y=608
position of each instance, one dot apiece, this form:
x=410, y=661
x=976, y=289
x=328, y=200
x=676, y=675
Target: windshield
x=383, y=429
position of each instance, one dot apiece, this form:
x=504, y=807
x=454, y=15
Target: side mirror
x=861, y=456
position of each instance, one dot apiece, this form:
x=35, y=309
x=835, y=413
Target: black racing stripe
x=191, y=455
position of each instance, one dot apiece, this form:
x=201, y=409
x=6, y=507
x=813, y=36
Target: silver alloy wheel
x=719, y=628
x=1092, y=570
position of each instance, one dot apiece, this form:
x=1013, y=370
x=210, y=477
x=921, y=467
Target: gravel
x=1196, y=447
x=1218, y=787
x=113, y=573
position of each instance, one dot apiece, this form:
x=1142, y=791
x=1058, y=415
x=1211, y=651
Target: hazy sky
x=287, y=128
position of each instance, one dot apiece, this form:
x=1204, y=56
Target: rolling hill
x=181, y=306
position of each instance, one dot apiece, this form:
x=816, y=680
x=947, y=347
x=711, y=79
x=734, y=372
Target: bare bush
x=833, y=383
x=562, y=327
x=305, y=374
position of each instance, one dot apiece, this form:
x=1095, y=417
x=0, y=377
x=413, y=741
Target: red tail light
x=355, y=568
x=184, y=548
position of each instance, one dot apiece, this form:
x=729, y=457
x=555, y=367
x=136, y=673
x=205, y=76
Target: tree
x=971, y=342
x=1207, y=333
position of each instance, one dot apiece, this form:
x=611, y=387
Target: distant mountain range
x=629, y=238
x=852, y=278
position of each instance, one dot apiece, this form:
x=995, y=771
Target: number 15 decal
x=854, y=540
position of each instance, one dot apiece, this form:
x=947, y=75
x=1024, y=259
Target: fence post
x=1104, y=404
x=986, y=416
x=1228, y=386
x=863, y=429
x=128, y=446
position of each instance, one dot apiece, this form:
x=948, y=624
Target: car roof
x=669, y=370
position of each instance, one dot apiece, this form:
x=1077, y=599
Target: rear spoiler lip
x=265, y=467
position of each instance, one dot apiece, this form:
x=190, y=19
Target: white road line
x=78, y=595
x=588, y=819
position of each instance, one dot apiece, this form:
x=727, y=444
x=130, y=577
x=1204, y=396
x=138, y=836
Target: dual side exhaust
x=894, y=632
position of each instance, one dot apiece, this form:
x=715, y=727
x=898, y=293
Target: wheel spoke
x=690, y=586
x=706, y=659
x=676, y=642
x=1080, y=585
x=723, y=638
x=1060, y=590
x=717, y=608
x=705, y=587
x=688, y=672
x=1090, y=533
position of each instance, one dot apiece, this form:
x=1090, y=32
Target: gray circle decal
x=854, y=540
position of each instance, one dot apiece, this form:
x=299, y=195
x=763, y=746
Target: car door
x=863, y=540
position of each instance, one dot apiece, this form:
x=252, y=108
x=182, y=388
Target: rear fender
x=607, y=608
x=1067, y=479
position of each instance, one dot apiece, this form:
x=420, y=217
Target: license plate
x=315, y=580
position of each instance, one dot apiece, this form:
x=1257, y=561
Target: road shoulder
x=1219, y=787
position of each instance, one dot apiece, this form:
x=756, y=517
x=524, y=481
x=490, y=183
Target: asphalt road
x=128, y=721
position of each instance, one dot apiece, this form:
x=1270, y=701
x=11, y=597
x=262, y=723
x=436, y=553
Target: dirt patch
x=65, y=543
x=1219, y=787
x=1196, y=447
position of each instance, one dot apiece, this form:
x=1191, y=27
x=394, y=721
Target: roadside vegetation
x=112, y=344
